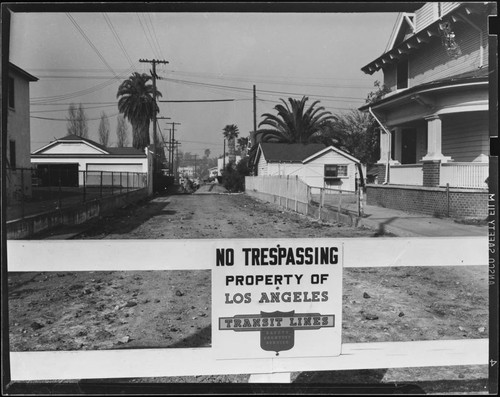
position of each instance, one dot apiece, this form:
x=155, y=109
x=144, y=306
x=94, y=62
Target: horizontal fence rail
x=94, y=255
x=36, y=190
x=202, y=361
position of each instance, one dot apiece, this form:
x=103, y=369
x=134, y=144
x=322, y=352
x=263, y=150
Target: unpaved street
x=108, y=310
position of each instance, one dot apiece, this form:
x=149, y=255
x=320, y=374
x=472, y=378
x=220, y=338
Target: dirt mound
x=213, y=188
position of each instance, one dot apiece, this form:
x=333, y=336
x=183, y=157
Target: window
x=12, y=154
x=335, y=171
x=11, y=93
x=402, y=73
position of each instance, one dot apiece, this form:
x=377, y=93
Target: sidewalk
x=404, y=224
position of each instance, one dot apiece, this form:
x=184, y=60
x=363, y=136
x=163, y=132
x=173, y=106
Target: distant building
x=69, y=156
x=220, y=163
x=213, y=172
x=18, y=182
x=317, y=165
x=187, y=171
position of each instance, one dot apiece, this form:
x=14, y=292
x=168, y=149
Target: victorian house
x=434, y=122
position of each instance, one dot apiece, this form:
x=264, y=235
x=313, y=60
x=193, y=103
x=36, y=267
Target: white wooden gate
x=93, y=255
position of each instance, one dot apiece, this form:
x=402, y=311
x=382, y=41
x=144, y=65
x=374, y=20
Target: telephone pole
x=172, y=140
x=154, y=76
x=194, y=175
x=254, y=109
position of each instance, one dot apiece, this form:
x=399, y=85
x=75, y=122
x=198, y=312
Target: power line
x=117, y=38
x=54, y=119
x=197, y=100
x=80, y=30
x=146, y=35
x=242, y=89
x=154, y=35
x=65, y=109
x=75, y=93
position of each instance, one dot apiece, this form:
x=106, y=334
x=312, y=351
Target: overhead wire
x=155, y=36
x=90, y=43
x=57, y=119
x=117, y=38
x=75, y=94
x=146, y=35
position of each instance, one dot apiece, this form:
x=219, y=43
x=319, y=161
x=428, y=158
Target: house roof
x=475, y=76
x=113, y=151
x=22, y=72
x=289, y=152
x=415, y=41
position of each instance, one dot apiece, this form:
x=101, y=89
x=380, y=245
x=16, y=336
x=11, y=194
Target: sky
x=83, y=57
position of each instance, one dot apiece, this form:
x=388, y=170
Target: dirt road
x=109, y=310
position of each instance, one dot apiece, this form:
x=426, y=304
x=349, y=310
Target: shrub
x=233, y=176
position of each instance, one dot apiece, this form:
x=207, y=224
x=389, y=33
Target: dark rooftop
x=127, y=151
x=290, y=152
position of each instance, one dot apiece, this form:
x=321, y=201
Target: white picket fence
x=465, y=175
x=134, y=255
x=292, y=193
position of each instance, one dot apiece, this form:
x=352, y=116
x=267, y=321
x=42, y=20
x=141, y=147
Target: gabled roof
x=330, y=149
x=104, y=150
x=289, y=152
x=25, y=74
x=413, y=42
x=404, y=25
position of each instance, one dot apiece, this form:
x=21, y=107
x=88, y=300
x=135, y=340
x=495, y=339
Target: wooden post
x=321, y=198
x=448, y=200
x=100, y=188
x=59, y=199
x=84, y=185
x=22, y=193
x=358, y=201
x=340, y=206
x=296, y=192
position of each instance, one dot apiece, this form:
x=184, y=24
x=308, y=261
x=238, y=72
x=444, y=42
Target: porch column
x=385, y=149
x=385, y=158
x=434, y=140
x=398, y=144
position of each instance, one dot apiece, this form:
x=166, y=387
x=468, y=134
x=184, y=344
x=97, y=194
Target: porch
x=453, y=174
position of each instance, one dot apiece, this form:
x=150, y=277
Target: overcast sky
x=83, y=57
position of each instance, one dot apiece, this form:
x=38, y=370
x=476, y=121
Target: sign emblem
x=277, y=329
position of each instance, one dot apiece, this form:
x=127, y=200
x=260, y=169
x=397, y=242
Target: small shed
x=317, y=165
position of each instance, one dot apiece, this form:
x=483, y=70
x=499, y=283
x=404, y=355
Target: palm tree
x=295, y=123
x=230, y=133
x=243, y=145
x=137, y=103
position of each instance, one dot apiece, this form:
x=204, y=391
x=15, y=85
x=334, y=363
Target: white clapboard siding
x=465, y=136
x=431, y=61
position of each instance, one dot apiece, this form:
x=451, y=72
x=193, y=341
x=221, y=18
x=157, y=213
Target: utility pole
x=195, y=164
x=254, y=109
x=224, y=156
x=173, y=140
x=164, y=144
x=177, y=160
x=154, y=76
